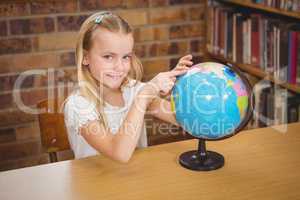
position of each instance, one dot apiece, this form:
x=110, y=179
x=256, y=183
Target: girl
x=106, y=113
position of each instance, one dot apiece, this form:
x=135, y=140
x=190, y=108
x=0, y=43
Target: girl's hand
x=163, y=82
x=184, y=62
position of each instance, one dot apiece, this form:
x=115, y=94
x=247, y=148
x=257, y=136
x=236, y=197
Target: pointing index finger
x=177, y=72
x=187, y=57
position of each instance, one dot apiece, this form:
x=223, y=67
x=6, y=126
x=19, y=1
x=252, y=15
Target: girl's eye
x=127, y=57
x=109, y=57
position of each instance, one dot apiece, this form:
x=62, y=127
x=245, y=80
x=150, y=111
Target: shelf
x=256, y=71
x=264, y=8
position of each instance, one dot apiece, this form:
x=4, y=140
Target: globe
x=212, y=101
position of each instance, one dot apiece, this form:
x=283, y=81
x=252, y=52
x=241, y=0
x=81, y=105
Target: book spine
x=289, y=57
x=239, y=38
x=225, y=34
x=230, y=35
x=249, y=23
x=298, y=59
x=255, y=47
x=293, y=57
x=221, y=33
x=234, y=38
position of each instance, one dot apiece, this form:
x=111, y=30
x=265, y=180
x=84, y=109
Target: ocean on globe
x=210, y=100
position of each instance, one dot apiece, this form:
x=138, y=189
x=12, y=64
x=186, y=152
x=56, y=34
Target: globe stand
x=201, y=160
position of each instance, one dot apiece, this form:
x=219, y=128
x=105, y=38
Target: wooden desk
x=259, y=164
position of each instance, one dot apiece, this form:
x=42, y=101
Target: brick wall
x=41, y=35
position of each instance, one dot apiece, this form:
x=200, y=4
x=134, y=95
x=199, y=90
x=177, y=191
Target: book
x=229, y=35
x=284, y=45
x=255, y=40
x=239, y=37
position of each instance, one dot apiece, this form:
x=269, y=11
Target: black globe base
x=201, y=160
x=192, y=160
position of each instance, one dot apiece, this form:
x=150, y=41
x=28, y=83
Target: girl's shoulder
x=75, y=98
x=78, y=104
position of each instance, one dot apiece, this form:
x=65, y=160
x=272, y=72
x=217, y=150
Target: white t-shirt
x=78, y=111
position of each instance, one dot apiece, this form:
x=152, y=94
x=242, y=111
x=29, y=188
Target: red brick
x=140, y=50
x=15, y=45
x=70, y=75
x=53, y=6
x=153, y=67
x=41, y=81
x=15, y=117
x=3, y=28
x=7, y=135
x=70, y=23
x=167, y=48
x=55, y=41
x=197, y=13
x=5, y=64
x=197, y=46
x=67, y=59
x=143, y=34
x=59, y=75
x=22, y=62
x=30, y=26
x=32, y=97
x=13, y=9
x=178, y=48
x=170, y=15
x=150, y=33
x=19, y=150
x=7, y=82
x=99, y=4
x=134, y=17
x=157, y=3
x=136, y=3
x=27, y=131
x=159, y=49
x=175, y=2
x=161, y=33
x=6, y=100
x=187, y=30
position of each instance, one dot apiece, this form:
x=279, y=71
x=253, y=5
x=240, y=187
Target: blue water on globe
x=210, y=100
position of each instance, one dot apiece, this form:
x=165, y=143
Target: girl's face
x=109, y=58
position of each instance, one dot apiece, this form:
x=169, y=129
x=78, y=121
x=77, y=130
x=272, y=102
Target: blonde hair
x=88, y=86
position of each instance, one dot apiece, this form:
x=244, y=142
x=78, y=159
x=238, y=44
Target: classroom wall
x=41, y=35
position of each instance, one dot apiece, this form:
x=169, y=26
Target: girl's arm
x=161, y=109
x=121, y=145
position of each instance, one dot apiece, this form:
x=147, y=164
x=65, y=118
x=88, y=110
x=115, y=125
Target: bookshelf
x=251, y=69
x=247, y=4
x=255, y=71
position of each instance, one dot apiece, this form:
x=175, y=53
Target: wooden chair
x=52, y=128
